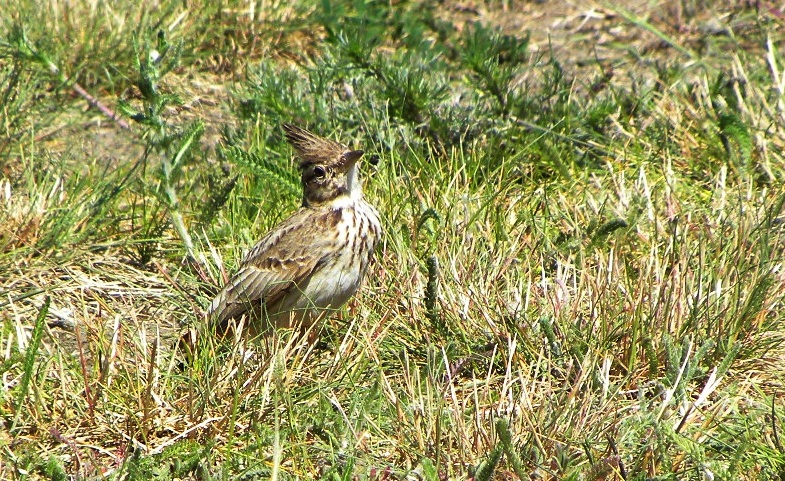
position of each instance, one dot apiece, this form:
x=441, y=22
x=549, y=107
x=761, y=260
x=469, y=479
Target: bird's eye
x=319, y=171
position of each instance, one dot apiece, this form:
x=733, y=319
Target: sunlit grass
x=580, y=278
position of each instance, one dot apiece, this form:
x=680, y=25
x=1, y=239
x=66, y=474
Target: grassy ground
x=582, y=270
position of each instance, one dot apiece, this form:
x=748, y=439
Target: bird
x=313, y=262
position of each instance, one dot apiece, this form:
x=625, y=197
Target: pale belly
x=330, y=287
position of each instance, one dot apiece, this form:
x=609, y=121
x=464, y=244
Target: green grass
x=580, y=277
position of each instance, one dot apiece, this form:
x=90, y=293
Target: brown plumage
x=315, y=260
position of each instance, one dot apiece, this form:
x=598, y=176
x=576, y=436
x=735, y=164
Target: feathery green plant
x=29, y=361
x=174, y=147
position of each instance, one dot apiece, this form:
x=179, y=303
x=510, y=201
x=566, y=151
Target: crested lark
x=315, y=260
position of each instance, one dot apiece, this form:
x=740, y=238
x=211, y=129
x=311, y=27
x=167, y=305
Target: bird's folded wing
x=284, y=259
x=252, y=285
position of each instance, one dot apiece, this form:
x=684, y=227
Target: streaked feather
x=312, y=148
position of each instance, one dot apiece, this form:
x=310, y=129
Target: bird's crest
x=311, y=148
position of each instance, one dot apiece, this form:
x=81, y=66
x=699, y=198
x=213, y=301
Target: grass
x=580, y=278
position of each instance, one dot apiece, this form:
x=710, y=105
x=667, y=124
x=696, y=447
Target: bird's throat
x=353, y=182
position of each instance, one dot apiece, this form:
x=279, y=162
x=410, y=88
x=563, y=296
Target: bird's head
x=329, y=169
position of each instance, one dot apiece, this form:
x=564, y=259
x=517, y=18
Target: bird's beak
x=351, y=157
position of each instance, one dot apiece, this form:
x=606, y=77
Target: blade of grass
x=29, y=363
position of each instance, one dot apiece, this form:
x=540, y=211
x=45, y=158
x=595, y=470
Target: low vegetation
x=581, y=275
